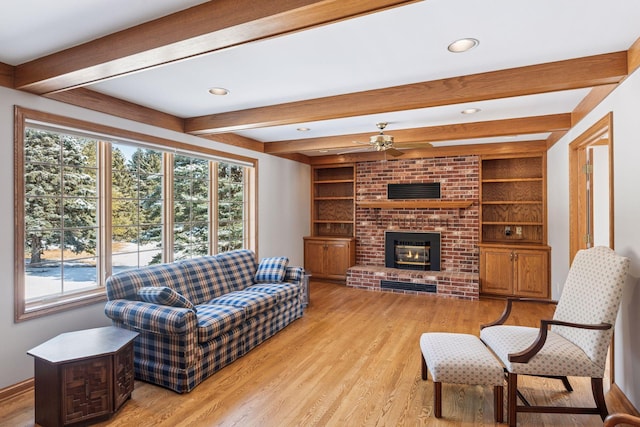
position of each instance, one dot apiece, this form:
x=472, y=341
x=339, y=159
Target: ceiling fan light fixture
x=463, y=45
x=219, y=91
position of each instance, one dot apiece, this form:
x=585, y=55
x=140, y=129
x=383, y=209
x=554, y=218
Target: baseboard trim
x=16, y=389
x=624, y=399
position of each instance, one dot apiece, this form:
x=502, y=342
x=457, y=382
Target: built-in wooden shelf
x=415, y=204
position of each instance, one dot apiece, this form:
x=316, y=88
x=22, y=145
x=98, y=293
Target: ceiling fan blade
x=353, y=150
x=413, y=145
x=394, y=152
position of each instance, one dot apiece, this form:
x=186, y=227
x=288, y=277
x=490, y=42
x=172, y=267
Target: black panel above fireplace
x=412, y=250
x=430, y=190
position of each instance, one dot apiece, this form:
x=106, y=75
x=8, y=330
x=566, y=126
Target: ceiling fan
x=379, y=142
x=384, y=142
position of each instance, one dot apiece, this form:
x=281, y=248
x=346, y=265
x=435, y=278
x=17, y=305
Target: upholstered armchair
x=575, y=342
x=618, y=419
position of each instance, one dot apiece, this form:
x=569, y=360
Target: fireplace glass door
x=412, y=255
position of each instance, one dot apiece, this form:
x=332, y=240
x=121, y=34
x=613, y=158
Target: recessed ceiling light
x=218, y=91
x=470, y=110
x=323, y=151
x=303, y=129
x=463, y=45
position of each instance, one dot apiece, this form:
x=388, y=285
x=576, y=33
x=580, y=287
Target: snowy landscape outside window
x=89, y=206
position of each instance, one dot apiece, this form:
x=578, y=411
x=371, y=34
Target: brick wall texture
x=458, y=228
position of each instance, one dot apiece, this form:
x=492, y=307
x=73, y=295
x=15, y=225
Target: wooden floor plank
x=352, y=360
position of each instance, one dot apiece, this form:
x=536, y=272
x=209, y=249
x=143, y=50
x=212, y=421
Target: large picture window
x=89, y=205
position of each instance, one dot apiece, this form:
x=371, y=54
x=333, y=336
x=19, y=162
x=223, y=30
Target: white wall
x=600, y=159
x=283, y=219
x=625, y=104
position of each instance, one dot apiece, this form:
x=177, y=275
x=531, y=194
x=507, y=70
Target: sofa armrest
x=294, y=275
x=159, y=319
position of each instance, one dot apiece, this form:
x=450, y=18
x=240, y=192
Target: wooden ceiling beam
x=237, y=141
x=534, y=79
x=6, y=75
x=195, y=31
x=494, y=128
x=634, y=56
x=96, y=101
x=522, y=147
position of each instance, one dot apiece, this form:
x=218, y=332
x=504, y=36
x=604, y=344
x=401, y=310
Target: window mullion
x=213, y=207
x=104, y=208
x=168, y=207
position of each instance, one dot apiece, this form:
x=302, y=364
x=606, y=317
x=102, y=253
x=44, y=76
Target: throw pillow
x=164, y=296
x=272, y=270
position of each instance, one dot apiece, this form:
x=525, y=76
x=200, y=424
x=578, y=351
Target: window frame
x=24, y=117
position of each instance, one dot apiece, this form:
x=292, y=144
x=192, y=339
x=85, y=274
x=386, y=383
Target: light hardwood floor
x=352, y=360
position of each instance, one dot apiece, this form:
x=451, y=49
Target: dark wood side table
x=83, y=376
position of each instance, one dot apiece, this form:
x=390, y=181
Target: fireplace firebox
x=412, y=250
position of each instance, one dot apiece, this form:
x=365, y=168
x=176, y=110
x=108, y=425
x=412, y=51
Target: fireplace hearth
x=412, y=250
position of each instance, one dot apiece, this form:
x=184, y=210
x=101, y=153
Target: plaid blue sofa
x=198, y=315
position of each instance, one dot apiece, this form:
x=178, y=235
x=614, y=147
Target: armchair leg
x=424, y=368
x=598, y=396
x=512, y=392
x=567, y=384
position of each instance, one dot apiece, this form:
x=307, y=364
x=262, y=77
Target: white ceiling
x=399, y=46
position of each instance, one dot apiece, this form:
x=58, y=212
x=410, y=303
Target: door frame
x=600, y=133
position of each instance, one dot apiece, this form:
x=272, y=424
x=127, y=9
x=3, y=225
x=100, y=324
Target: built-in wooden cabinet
x=330, y=250
x=329, y=257
x=515, y=270
x=513, y=200
x=514, y=257
x=333, y=197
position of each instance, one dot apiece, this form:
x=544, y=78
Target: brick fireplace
x=457, y=276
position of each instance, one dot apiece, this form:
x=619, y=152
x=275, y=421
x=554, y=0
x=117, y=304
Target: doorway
x=591, y=194
x=591, y=188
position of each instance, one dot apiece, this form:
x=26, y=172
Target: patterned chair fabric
x=181, y=344
x=591, y=296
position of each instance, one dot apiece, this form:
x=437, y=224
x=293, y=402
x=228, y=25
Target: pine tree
x=230, y=207
x=191, y=206
x=60, y=192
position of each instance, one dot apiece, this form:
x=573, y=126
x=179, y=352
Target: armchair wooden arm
x=507, y=309
x=525, y=355
x=615, y=419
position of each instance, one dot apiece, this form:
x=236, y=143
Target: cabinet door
x=86, y=389
x=338, y=259
x=532, y=273
x=314, y=256
x=123, y=375
x=496, y=271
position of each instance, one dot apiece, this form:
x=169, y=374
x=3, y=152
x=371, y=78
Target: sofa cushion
x=251, y=302
x=239, y=267
x=164, y=296
x=214, y=320
x=282, y=291
x=272, y=270
x=205, y=279
x=125, y=285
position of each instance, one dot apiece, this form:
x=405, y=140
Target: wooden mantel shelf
x=415, y=204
